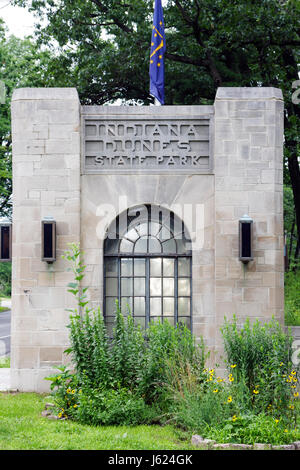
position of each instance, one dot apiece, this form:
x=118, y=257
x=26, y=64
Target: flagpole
x=158, y=46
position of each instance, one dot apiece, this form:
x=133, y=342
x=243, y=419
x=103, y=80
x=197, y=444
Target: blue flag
x=158, y=47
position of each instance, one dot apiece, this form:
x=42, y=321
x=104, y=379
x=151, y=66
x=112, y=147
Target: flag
x=158, y=47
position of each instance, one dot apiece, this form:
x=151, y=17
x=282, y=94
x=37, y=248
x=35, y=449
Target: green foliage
x=5, y=279
x=112, y=407
x=65, y=387
x=290, y=228
x=167, y=346
x=225, y=411
x=292, y=298
x=23, y=63
x=209, y=43
x=257, y=402
x=253, y=347
x=129, y=367
x=4, y=362
x=141, y=376
x=251, y=428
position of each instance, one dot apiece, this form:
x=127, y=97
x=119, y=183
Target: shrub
x=167, y=345
x=257, y=402
x=129, y=367
x=64, y=386
x=251, y=428
x=112, y=407
x=262, y=356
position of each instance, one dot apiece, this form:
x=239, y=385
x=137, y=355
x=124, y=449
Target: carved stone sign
x=151, y=146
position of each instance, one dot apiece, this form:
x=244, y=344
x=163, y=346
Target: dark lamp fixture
x=246, y=237
x=48, y=239
x=5, y=240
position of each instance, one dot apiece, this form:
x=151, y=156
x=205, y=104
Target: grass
x=4, y=362
x=3, y=309
x=23, y=428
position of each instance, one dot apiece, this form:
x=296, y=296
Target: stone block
x=297, y=445
x=53, y=354
x=226, y=446
x=26, y=357
x=255, y=294
x=249, y=93
x=201, y=443
x=241, y=446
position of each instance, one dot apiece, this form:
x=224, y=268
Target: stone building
x=172, y=182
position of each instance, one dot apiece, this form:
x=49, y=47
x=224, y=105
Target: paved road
x=5, y=333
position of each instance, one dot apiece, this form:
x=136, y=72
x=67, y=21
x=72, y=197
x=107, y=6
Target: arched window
x=147, y=267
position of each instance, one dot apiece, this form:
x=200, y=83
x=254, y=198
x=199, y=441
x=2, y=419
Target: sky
x=18, y=20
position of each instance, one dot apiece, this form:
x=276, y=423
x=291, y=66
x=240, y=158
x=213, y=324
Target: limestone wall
x=54, y=174
x=248, y=179
x=46, y=181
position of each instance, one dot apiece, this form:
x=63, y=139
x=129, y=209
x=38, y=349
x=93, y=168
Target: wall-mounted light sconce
x=48, y=239
x=246, y=236
x=5, y=240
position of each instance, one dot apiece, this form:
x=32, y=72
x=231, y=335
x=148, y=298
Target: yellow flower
x=215, y=391
x=68, y=390
x=231, y=379
x=294, y=379
x=281, y=364
x=285, y=430
x=291, y=407
x=276, y=421
x=256, y=392
x=212, y=371
x=293, y=386
x=59, y=415
x=73, y=391
x=296, y=394
x=293, y=372
x=234, y=418
x=229, y=399
x=233, y=366
x=75, y=406
x=220, y=380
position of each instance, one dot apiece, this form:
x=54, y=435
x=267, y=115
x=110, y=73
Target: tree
x=22, y=64
x=210, y=43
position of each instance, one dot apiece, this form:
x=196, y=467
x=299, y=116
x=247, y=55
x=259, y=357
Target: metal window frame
x=147, y=257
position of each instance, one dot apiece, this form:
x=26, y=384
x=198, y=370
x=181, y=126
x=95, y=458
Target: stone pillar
x=46, y=182
x=248, y=180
